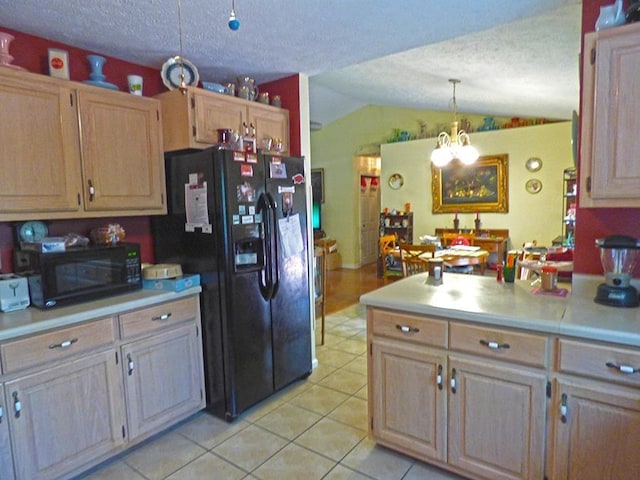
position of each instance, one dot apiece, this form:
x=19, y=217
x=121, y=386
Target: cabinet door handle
x=454, y=381
x=92, y=190
x=407, y=329
x=439, y=377
x=17, y=405
x=130, y=364
x=622, y=368
x=495, y=345
x=164, y=316
x=563, y=408
x=1, y=413
x=65, y=344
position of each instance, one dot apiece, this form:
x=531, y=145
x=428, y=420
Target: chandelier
x=454, y=146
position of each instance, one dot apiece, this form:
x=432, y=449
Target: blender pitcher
x=618, y=257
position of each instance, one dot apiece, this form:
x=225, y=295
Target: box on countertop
x=172, y=284
x=46, y=245
x=14, y=292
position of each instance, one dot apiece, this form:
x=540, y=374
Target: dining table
x=462, y=255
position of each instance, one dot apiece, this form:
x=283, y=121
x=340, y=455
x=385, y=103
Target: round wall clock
x=396, y=181
x=32, y=231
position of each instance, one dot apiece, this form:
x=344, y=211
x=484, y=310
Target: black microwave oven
x=79, y=274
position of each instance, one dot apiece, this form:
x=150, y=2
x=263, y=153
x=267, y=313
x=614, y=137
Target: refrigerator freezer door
x=290, y=306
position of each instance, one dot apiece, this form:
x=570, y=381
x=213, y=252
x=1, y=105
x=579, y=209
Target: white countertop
x=33, y=320
x=482, y=299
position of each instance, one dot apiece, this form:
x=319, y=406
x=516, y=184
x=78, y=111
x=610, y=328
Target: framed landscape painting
x=481, y=187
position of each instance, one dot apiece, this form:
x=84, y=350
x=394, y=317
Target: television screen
x=316, y=216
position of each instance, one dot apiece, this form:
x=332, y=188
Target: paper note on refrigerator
x=290, y=235
x=195, y=200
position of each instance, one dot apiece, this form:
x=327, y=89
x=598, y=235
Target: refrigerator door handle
x=265, y=277
x=275, y=268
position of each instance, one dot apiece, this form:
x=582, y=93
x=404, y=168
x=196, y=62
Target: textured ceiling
x=514, y=57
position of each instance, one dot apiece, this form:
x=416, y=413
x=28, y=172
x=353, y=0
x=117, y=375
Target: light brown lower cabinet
x=496, y=403
x=473, y=415
x=79, y=406
x=596, y=431
x=163, y=379
x=409, y=402
x=496, y=419
x=6, y=462
x=64, y=417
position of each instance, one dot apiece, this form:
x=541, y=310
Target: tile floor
x=315, y=429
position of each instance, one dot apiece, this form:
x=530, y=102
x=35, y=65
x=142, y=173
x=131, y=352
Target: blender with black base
x=618, y=256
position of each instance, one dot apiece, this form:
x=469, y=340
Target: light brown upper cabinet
x=192, y=119
x=70, y=150
x=609, y=144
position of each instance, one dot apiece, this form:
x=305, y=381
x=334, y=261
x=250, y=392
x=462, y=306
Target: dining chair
x=320, y=285
x=389, y=256
x=415, y=258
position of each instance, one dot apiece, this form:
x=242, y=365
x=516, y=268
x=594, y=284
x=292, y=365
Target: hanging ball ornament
x=234, y=23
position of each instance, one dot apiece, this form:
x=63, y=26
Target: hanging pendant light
x=455, y=145
x=234, y=23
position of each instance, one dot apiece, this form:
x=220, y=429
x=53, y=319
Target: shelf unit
x=569, y=205
x=400, y=224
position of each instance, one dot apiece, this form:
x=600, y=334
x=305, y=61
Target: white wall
x=531, y=216
x=360, y=133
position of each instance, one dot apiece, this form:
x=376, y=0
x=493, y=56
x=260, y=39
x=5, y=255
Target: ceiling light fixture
x=234, y=23
x=454, y=146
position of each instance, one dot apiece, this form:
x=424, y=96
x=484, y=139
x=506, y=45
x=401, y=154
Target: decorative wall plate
x=533, y=185
x=174, y=67
x=396, y=181
x=533, y=164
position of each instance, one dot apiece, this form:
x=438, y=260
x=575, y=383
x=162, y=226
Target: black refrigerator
x=240, y=221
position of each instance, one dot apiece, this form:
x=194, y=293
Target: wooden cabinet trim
x=191, y=121
x=57, y=345
x=590, y=360
x=410, y=328
x=608, y=174
x=77, y=151
x=506, y=345
x=158, y=317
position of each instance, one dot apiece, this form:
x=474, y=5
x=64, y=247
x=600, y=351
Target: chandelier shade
x=455, y=145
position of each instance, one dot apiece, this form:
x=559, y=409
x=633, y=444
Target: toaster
x=14, y=292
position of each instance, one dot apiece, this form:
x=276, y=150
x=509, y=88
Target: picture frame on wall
x=480, y=187
x=317, y=184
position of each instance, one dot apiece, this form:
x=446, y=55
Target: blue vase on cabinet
x=96, y=77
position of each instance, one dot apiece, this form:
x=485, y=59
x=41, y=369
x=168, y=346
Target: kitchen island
x=82, y=383
x=491, y=381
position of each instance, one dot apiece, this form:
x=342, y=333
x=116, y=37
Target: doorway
x=368, y=169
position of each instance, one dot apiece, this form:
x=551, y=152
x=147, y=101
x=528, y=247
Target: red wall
x=289, y=90
x=31, y=52
x=592, y=223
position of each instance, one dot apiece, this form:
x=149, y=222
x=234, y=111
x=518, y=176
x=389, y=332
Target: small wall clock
x=396, y=181
x=32, y=231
